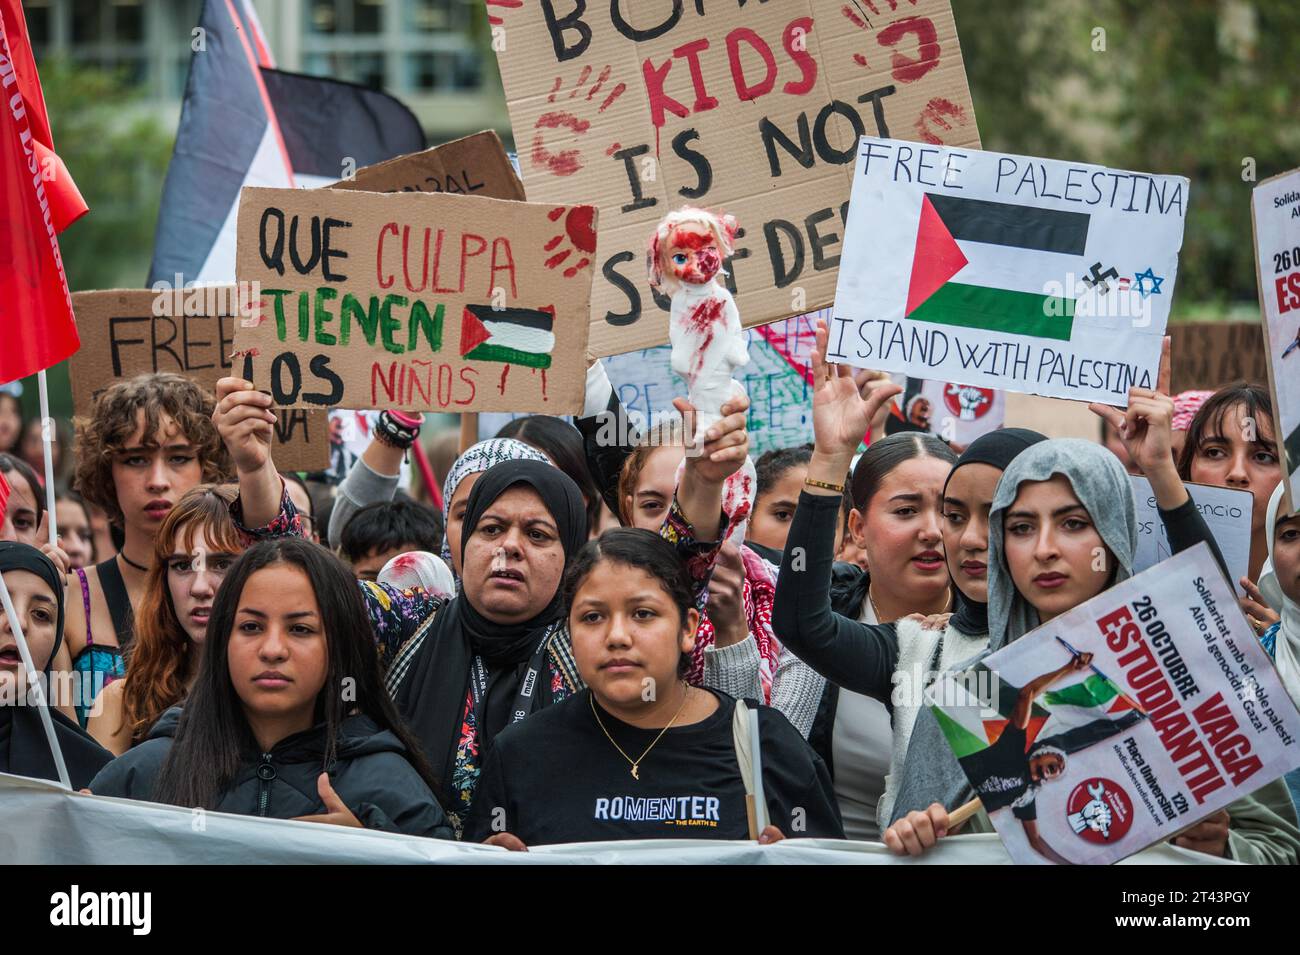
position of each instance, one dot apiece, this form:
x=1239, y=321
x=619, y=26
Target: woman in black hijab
x=499, y=650
x=36, y=589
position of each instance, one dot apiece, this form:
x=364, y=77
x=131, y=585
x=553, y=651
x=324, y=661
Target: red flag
x=4, y=497
x=66, y=204
x=37, y=329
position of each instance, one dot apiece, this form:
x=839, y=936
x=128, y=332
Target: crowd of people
x=566, y=641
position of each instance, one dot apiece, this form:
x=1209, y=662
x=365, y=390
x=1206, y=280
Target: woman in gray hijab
x=1055, y=505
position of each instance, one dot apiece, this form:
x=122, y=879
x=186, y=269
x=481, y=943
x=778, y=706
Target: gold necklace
x=637, y=762
x=876, y=610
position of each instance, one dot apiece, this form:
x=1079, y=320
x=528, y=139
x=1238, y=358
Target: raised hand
x=726, y=443
x=1146, y=428
x=726, y=597
x=244, y=419
x=843, y=407
x=53, y=551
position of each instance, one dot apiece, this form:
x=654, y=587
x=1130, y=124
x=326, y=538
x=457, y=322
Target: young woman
x=193, y=551
x=1232, y=442
x=897, y=518
x=780, y=478
x=288, y=717
x=618, y=762
x=735, y=650
x=76, y=533
x=1057, y=506
x=1280, y=586
x=36, y=588
x=148, y=441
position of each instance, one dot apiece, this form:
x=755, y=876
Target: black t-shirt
x=558, y=779
x=1000, y=774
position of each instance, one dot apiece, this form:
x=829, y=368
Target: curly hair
x=113, y=421
x=162, y=655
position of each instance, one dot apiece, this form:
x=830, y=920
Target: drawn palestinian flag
x=516, y=336
x=982, y=264
x=1094, y=698
x=965, y=720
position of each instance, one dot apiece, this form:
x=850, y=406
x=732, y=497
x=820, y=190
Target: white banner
x=1007, y=272
x=47, y=825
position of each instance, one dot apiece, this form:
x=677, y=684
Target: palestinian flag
x=517, y=336
x=1094, y=698
x=962, y=715
x=983, y=264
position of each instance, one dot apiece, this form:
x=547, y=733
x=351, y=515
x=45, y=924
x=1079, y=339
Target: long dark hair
x=214, y=739
x=1254, y=401
x=879, y=460
x=562, y=443
x=644, y=550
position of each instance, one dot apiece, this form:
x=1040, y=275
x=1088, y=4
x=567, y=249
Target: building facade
x=430, y=54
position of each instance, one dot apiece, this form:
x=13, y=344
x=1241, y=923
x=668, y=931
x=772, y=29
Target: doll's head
x=688, y=246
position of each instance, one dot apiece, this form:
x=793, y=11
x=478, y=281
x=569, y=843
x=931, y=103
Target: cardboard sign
x=473, y=166
x=1007, y=272
x=754, y=109
x=1226, y=511
x=129, y=332
x=1275, y=209
x=1178, y=713
x=413, y=301
x=1209, y=355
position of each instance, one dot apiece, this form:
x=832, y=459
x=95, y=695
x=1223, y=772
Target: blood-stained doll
x=708, y=342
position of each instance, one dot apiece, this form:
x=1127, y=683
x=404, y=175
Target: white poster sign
x=1007, y=272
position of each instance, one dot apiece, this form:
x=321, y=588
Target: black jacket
x=370, y=774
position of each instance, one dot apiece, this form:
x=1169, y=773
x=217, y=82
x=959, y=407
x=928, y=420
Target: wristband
x=824, y=485
x=396, y=430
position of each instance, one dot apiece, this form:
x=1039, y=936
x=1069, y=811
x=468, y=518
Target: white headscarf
x=1286, y=651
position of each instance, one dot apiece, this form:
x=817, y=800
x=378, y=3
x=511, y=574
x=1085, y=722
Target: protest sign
x=1226, y=511
x=476, y=165
x=752, y=109
x=128, y=332
x=1177, y=712
x=1275, y=207
x=1007, y=272
x=414, y=301
x=1209, y=355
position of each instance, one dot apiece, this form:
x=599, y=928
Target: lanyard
x=478, y=684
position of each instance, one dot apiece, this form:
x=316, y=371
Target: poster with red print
x=753, y=108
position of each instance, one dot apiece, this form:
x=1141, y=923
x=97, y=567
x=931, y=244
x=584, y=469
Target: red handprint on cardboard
x=551, y=149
